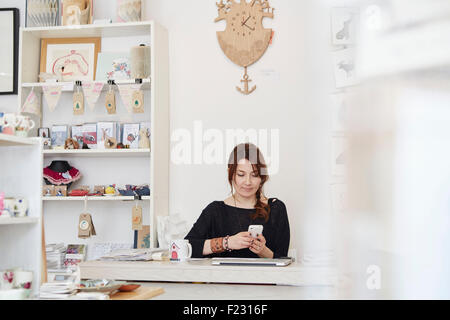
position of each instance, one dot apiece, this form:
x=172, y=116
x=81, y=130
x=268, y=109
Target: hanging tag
x=78, y=102
x=138, y=101
x=110, y=102
x=93, y=233
x=137, y=218
x=84, y=226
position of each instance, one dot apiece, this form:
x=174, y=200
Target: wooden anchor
x=246, y=80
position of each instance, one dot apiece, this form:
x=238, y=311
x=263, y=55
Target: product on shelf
x=59, y=136
x=61, y=173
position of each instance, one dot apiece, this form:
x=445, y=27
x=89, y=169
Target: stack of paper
x=55, y=256
x=75, y=254
x=58, y=290
x=136, y=255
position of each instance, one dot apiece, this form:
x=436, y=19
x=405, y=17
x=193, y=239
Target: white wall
x=294, y=79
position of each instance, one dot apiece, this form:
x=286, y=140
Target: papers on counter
x=137, y=255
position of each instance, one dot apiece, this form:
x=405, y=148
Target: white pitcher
x=9, y=123
x=24, y=125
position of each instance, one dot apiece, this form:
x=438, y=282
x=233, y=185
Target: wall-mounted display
x=70, y=58
x=9, y=24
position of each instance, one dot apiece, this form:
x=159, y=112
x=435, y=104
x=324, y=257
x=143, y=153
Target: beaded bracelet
x=217, y=245
x=227, y=248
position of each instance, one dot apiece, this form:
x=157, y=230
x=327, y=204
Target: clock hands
x=244, y=22
x=253, y=29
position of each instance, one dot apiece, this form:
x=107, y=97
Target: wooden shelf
x=99, y=153
x=127, y=29
x=9, y=141
x=69, y=86
x=94, y=198
x=24, y=220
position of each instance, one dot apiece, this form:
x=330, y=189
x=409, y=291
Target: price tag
x=137, y=218
x=110, y=102
x=78, y=103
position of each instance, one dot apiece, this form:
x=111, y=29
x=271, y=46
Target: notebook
x=282, y=262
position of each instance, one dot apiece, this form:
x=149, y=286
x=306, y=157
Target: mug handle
x=189, y=250
x=33, y=124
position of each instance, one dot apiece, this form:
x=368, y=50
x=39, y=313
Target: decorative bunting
x=52, y=94
x=32, y=104
x=92, y=91
x=126, y=93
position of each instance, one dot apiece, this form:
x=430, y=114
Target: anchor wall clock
x=245, y=40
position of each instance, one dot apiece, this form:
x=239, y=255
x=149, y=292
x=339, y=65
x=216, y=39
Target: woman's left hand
x=258, y=245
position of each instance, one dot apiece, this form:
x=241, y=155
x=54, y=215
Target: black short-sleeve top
x=219, y=220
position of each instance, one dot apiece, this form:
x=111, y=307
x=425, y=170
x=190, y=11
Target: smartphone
x=255, y=230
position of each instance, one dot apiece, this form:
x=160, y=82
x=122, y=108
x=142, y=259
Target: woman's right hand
x=240, y=241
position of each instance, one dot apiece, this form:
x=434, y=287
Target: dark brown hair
x=254, y=156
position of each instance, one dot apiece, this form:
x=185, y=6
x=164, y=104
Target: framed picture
x=113, y=66
x=142, y=238
x=343, y=25
x=345, y=71
x=339, y=155
x=9, y=49
x=339, y=197
x=339, y=112
x=44, y=132
x=71, y=59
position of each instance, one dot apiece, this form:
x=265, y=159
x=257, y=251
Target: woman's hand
x=259, y=247
x=240, y=241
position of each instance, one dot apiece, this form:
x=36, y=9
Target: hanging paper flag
x=92, y=91
x=126, y=93
x=52, y=95
x=32, y=104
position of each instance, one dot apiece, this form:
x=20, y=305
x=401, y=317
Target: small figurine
x=111, y=190
x=71, y=144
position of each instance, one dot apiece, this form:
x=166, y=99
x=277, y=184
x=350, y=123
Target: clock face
x=244, y=40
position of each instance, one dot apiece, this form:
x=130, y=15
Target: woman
x=222, y=228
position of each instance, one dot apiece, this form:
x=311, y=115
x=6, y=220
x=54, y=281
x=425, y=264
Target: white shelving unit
x=21, y=177
x=143, y=165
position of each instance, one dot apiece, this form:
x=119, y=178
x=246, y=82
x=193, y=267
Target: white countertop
x=194, y=291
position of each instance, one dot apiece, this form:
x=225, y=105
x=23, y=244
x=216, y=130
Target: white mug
x=25, y=124
x=8, y=207
x=21, y=207
x=7, y=279
x=180, y=250
x=23, y=280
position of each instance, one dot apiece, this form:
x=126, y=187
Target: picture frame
x=44, y=132
x=345, y=69
x=113, y=66
x=9, y=50
x=344, y=23
x=84, y=52
x=339, y=155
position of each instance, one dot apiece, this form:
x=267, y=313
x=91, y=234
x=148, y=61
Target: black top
x=219, y=220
